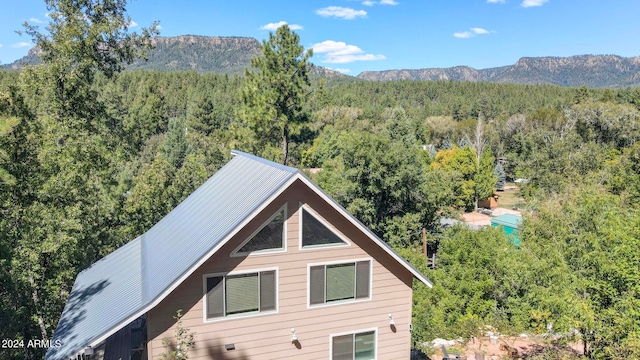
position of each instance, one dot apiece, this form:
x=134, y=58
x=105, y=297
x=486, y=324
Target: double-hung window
x=236, y=294
x=339, y=282
x=356, y=346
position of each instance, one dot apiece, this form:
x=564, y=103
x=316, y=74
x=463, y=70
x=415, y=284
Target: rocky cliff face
x=222, y=55
x=590, y=70
x=225, y=55
x=32, y=58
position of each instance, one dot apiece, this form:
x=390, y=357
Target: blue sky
x=358, y=35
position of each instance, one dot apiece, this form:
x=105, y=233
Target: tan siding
x=267, y=336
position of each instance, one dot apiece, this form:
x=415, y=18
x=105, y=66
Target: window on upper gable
x=270, y=237
x=316, y=233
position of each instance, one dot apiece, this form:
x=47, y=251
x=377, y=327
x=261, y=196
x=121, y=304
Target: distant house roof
x=136, y=277
x=476, y=219
x=509, y=220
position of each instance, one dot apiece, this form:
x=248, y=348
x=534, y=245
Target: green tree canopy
x=63, y=209
x=586, y=242
x=82, y=39
x=474, y=177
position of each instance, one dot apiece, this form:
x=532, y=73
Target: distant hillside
x=203, y=54
x=31, y=59
x=589, y=70
x=224, y=55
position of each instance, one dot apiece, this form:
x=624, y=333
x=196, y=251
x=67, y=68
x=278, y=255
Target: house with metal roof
x=262, y=264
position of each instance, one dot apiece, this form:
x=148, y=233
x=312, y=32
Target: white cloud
x=479, y=31
x=338, y=52
x=463, y=35
x=275, y=26
x=474, y=31
x=496, y=1
x=530, y=3
x=0, y=45
x=341, y=12
x=159, y=27
x=36, y=20
x=133, y=23
x=381, y=2
x=21, y=44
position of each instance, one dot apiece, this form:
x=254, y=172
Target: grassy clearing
x=510, y=198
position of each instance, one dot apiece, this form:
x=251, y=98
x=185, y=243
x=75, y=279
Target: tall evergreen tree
x=275, y=92
x=484, y=178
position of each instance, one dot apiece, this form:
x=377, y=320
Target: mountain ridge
x=578, y=70
x=232, y=55
x=229, y=55
x=221, y=54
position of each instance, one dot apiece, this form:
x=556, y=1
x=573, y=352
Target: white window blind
x=242, y=293
x=340, y=282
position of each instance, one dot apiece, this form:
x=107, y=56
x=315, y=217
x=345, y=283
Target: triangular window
x=269, y=237
x=316, y=233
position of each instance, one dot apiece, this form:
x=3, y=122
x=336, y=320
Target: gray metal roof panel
x=206, y=217
x=107, y=290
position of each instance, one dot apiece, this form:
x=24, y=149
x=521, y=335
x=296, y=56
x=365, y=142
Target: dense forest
x=91, y=157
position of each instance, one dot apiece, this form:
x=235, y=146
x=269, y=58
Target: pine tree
x=275, y=93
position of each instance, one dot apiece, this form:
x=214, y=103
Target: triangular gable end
x=415, y=272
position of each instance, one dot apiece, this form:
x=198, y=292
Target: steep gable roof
x=133, y=279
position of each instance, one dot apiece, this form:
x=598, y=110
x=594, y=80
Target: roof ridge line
x=265, y=161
